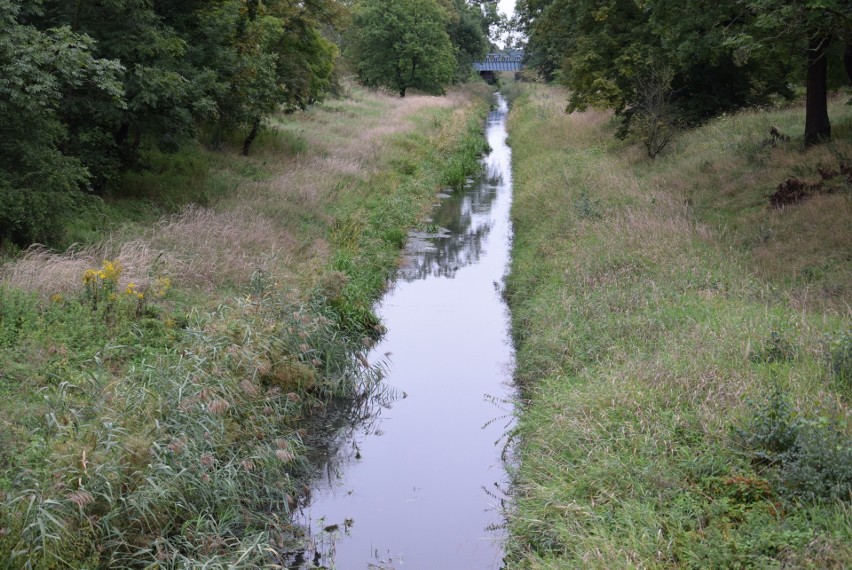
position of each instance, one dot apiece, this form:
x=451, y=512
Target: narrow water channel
x=418, y=485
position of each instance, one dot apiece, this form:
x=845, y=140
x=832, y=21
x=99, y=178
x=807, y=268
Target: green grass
x=170, y=430
x=369, y=231
x=652, y=331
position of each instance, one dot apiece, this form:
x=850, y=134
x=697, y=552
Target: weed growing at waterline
x=176, y=435
x=194, y=452
x=644, y=329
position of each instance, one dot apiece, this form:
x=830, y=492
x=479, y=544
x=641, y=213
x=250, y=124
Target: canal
x=419, y=482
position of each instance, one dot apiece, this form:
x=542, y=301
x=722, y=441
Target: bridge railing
x=512, y=61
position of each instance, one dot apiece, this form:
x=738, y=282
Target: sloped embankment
x=683, y=347
x=154, y=387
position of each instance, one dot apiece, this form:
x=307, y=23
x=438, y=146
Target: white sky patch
x=507, y=7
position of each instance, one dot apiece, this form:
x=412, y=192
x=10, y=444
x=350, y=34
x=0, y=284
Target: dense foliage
x=87, y=87
x=421, y=44
x=709, y=57
x=43, y=158
x=84, y=86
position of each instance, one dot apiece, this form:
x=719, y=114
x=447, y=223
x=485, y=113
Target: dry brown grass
x=45, y=272
x=211, y=249
x=263, y=224
x=807, y=234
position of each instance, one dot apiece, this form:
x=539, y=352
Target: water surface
x=418, y=484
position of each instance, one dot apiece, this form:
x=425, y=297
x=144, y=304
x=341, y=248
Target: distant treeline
x=85, y=85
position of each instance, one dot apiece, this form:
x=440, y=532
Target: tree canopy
x=420, y=44
x=44, y=75
x=84, y=86
x=403, y=43
x=88, y=88
x=717, y=56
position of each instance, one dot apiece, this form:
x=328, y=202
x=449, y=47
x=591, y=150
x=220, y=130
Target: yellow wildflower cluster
x=134, y=292
x=161, y=287
x=109, y=271
x=101, y=283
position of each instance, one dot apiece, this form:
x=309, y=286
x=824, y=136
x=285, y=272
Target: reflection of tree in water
x=463, y=222
x=332, y=439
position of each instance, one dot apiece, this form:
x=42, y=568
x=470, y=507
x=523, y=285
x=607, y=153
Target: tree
x=267, y=57
x=467, y=27
x=402, y=44
x=161, y=89
x=41, y=178
x=86, y=85
x=807, y=27
x=724, y=55
x=605, y=51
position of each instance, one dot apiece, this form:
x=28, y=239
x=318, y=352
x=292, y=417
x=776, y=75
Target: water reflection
x=412, y=478
x=461, y=222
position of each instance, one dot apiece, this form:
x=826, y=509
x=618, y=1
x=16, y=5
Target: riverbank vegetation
x=219, y=207
x=155, y=384
x=662, y=65
x=683, y=342
x=95, y=95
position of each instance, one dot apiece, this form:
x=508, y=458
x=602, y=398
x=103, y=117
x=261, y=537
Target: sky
x=507, y=7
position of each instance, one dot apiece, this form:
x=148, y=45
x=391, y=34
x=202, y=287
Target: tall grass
x=155, y=416
x=652, y=330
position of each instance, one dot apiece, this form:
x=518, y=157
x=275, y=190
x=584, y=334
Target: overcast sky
x=507, y=7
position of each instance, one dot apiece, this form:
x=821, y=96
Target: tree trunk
x=847, y=60
x=137, y=138
x=402, y=91
x=122, y=133
x=413, y=70
x=817, y=125
x=255, y=127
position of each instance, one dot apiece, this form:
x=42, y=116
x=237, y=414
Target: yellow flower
x=162, y=286
x=131, y=288
x=57, y=298
x=110, y=270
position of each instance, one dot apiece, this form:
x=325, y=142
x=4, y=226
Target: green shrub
x=772, y=429
x=776, y=348
x=808, y=459
x=16, y=309
x=840, y=361
x=819, y=465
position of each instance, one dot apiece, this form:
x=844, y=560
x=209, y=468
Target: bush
x=776, y=348
x=840, y=361
x=654, y=120
x=809, y=459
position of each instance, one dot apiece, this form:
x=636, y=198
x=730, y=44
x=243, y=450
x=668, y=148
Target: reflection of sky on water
x=411, y=478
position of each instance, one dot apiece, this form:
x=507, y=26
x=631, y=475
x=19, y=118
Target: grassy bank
x=684, y=349
x=155, y=384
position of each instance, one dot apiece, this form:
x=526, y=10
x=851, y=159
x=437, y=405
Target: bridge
x=494, y=62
